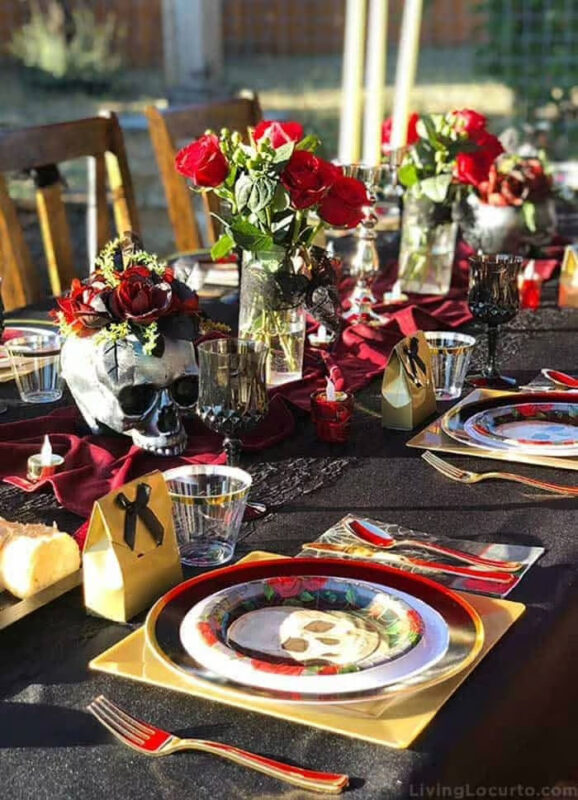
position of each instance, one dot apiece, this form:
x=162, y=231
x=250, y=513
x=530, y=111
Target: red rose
x=343, y=204
x=470, y=122
x=138, y=298
x=329, y=669
x=207, y=633
x=314, y=584
x=278, y=133
x=84, y=308
x=474, y=168
x=286, y=587
x=412, y=134
x=277, y=669
x=539, y=184
x=203, y=161
x=307, y=178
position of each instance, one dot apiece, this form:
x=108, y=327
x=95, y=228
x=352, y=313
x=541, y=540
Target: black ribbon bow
x=138, y=508
x=415, y=362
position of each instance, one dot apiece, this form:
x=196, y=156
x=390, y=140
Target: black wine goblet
x=232, y=390
x=233, y=393
x=494, y=299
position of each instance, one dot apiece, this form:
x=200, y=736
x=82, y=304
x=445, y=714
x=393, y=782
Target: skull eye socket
x=185, y=390
x=319, y=626
x=136, y=400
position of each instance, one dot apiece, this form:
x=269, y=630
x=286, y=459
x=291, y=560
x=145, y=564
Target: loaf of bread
x=33, y=557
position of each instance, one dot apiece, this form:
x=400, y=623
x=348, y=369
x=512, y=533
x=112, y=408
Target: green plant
x=63, y=46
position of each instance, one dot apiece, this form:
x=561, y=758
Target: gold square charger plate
x=433, y=437
x=394, y=721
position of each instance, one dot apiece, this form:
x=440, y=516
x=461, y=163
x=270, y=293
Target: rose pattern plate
x=545, y=428
x=315, y=633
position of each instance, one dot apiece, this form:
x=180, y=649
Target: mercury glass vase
x=271, y=311
x=428, y=245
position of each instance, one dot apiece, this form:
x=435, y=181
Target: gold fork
x=152, y=741
x=466, y=476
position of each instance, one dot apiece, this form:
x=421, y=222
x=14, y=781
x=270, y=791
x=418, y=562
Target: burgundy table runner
x=95, y=465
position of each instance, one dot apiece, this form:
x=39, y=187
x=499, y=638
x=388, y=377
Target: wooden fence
x=275, y=27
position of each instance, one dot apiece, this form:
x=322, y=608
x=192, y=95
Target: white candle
x=405, y=71
x=374, y=81
x=46, y=453
x=43, y=464
x=322, y=333
x=330, y=393
x=351, y=81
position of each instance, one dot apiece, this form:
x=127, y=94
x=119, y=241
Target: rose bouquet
x=270, y=186
x=448, y=155
x=513, y=208
x=130, y=293
x=276, y=195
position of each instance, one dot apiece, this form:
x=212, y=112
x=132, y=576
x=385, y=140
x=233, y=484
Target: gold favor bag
x=130, y=555
x=568, y=286
x=407, y=391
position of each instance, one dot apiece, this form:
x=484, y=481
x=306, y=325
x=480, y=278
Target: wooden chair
x=174, y=127
x=40, y=150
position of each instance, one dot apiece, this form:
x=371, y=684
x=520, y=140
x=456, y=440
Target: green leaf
x=306, y=597
x=243, y=190
x=283, y=153
x=529, y=215
x=310, y=142
x=222, y=247
x=268, y=591
x=261, y=194
x=408, y=175
x=249, y=237
x=281, y=199
x=436, y=188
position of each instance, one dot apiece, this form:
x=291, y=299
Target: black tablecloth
x=512, y=722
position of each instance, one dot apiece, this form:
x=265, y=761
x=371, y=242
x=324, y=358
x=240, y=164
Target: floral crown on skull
x=130, y=293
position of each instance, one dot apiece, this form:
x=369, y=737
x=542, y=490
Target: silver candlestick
x=365, y=261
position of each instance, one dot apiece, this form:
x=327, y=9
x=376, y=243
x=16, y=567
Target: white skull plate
x=255, y=636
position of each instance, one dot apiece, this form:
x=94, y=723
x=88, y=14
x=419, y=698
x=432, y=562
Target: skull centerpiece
x=128, y=357
x=133, y=393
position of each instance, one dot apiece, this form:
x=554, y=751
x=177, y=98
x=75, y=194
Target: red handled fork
x=145, y=738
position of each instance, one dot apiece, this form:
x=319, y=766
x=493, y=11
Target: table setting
x=292, y=543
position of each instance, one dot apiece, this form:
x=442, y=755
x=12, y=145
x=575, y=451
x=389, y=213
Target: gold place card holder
x=568, y=285
x=131, y=555
x=407, y=391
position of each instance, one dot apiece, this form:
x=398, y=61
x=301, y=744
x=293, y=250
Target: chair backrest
x=173, y=127
x=40, y=150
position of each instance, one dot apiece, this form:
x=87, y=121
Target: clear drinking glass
x=208, y=506
x=35, y=363
x=450, y=359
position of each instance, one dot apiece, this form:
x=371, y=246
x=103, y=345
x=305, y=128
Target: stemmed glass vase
x=494, y=299
x=232, y=391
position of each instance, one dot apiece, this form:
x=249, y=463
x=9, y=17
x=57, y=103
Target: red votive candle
x=331, y=412
x=530, y=286
x=530, y=293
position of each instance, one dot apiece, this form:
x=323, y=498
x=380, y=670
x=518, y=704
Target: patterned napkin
x=338, y=534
